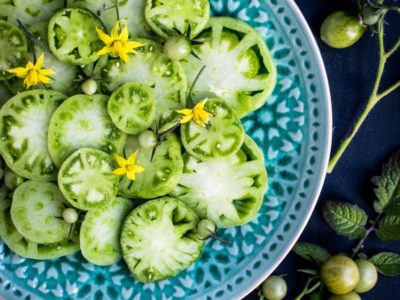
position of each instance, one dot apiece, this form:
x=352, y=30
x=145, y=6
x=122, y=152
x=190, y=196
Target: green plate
x=294, y=131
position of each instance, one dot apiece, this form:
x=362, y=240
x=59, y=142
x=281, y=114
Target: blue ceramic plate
x=294, y=131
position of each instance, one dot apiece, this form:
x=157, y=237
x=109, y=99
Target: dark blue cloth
x=351, y=75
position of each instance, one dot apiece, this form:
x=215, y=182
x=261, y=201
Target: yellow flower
x=128, y=166
x=33, y=73
x=198, y=114
x=117, y=44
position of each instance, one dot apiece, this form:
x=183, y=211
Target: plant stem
x=369, y=230
x=373, y=99
x=117, y=9
x=307, y=290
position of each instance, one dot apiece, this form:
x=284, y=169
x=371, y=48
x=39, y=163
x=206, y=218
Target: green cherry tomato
x=368, y=276
x=348, y=296
x=205, y=228
x=341, y=29
x=12, y=180
x=148, y=139
x=89, y=86
x=70, y=215
x=177, y=47
x=340, y=274
x=274, y=288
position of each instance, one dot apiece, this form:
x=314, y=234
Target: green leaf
x=346, y=219
x=387, y=188
x=387, y=263
x=311, y=252
x=389, y=228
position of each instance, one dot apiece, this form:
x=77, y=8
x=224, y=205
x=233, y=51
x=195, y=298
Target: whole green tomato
x=368, y=276
x=274, y=288
x=349, y=296
x=177, y=47
x=341, y=29
x=340, y=274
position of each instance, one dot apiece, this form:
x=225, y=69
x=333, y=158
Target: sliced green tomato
x=82, y=121
x=239, y=67
x=228, y=192
x=29, y=12
x=13, y=49
x=86, y=179
x=167, y=18
x=26, y=248
x=161, y=174
x=101, y=230
x=150, y=67
x=222, y=137
x=73, y=37
x=132, y=107
x=65, y=78
x=24, y=120
x=158, y=239
x=36, y=212
x=131, y=12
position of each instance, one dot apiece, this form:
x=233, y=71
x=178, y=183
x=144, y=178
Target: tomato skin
x=177, y=48
x=70, y=215
x=340, y=274
x=349, y=296
x=274, y=288
x=341, y=29
x=368, y=276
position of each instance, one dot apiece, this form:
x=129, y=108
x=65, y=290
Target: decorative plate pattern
x=293, y=129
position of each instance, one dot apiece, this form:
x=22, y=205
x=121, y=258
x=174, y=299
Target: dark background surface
x=351, y=75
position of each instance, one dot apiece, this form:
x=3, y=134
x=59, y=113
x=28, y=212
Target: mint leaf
x=387, y=263
x=311, y=252
x=389, y=228
x=387, y=188
x=346, y=219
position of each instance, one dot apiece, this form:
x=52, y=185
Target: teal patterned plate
x=294, y=131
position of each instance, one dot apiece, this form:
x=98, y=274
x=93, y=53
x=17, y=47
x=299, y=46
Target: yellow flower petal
x=138, y=169
x=122, y=162
x=106, y=39
x=132, y=158
x=131, y=175
x=185, y=111
x=20, y=72
x=47, y=72
x=124, y=56
x=39, y=62
x=115, y=31
x=119, y=171
x=186, y=119
x=105, y=50
x=130, y=46
x=123, y=37
x=44, y=78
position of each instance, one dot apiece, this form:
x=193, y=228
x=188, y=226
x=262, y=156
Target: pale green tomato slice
x=161, y=173
x=82, y=121
x=132, y=107
x=24, y=120
x=86, y=179
x=222, y=137
x=238, y=65
x=13, y=49
x=229, y=192
x=131, y=12
x=36, y=212
x=167, y=17
x=158, y=239
x=73, y=37
x=24, y=247
x=29, y=11
x=150, y=67
x=101, y=230
x=66, y=75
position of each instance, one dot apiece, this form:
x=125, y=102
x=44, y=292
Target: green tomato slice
x=82, y=121
x=86, y=179
x=73, y=37
x=13, y=49
x=24, y=120
x=132, y=107
x=161, y=173
x=29, y=12
x=158, y=239
x=101, y=230
x=238, y=65
x=131, y=13
x=167, y=17
x=36, y=212
x=26, y=248
x=150, y=67
x=229, y=192
x=222, y=137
